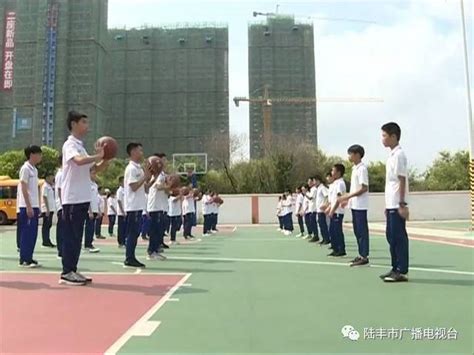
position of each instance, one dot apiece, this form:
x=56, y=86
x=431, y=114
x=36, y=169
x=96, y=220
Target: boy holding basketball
x=358, y=198
x=76, y=194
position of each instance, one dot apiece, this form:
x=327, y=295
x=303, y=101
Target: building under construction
x=165, y=87
x=281, y=58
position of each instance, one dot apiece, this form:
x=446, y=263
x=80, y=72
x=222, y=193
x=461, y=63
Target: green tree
x=450, y=171
x=11, y=162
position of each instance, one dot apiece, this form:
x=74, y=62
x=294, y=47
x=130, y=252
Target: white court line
x=173, y=300
x=235, y=228
x=283, y=261
x=144, y=322
x=47, y=272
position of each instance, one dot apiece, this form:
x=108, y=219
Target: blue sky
x=409, y=53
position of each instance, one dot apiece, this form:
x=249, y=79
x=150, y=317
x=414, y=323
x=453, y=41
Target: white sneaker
x=93, y=250
x=206, y=235
x=213, y=232
x=174, y=243
x=279, y=229
x=287, y=233
x=298, y=235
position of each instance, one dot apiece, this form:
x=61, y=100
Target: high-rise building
x=168, y=88
x=58, y=55
x=281, y=57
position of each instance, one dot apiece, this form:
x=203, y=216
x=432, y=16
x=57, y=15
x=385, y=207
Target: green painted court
x=253, y=290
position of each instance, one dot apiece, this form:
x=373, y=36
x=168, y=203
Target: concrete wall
x=238, y=209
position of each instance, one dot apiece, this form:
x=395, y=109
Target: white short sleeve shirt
x=120, y=197
x=29, y=175
x=57, y=187
x=359, y=177
x=174, y=206
x=338, y=188
x=134, y=200
x=157, y=199
x=397, y=165
x=111, y=206
x=47, y=192
x=94, y=192
x=321, y=195
x=75, y=179
x=188, y=204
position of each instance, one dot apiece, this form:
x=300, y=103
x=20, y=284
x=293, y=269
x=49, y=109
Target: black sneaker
x=330, y=247
x=86, y=278
x=72, y=279
x=324, y=242
x=33, y=264
x=192, y=237
x=133, y=264
x=340, y=254
x=383, y=276
x=165, y=246
x=356, y=259
x=314, y=240
x=396, y=277
x=333, y=254
x=144, y=237
x=99, y=237
x=50, y=245
x=360, y=262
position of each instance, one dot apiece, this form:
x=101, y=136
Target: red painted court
x=42, y=317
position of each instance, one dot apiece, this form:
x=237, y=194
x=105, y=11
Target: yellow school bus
x=8, y=191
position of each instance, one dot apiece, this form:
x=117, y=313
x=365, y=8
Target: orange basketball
x=110, y=147
x=156, y=164
x=174, y=181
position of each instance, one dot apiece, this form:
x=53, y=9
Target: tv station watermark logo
x=416, y=334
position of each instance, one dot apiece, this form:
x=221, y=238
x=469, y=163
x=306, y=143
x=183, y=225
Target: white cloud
x=414, y=67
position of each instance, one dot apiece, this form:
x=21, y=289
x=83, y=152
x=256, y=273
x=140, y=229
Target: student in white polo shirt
x=175, y=213
x=396, y=203
x=207, y=213
x=48, y=207
x=189, y=212
x=286, y=206
x=28, y=204
x=312, y=210
x=135, y=185
x=358, y=198
x=59, y=207
x=279, y=216
x=305, y=211
x=120, y=207
x=111, y=211
x=76, y=194
x=321, y=204
x=336, y=212
x=217, y=206
x=157, y=207
x=299, y=197
x=92, y=216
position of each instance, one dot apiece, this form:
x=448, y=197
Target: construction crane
x=266, y=101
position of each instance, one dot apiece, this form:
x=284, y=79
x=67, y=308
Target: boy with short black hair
x=358, y=198
x=28, y=204
x=336, y=211
x=76, y=194
x=135, y=186
x=396, y=197
x=48, y=207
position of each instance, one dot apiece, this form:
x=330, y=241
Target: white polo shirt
x=57, y=187
x=397, y=165
x=206, y=205
x=174, y=203
x=48, y=193
x=298, y=203
x=305, y=205
x=157, y=199
x=94, y=192
x=321, y=194
x=188, y=204
x=286, y=206
x=134, y=200
x=312, y=202
x=29, y=175
x=338, y=187
x=75, y=179
x=102, y=203
x=359, y=177
x=120, y=197
x=111, y=206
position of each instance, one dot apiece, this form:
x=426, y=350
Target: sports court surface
x=246, y=290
